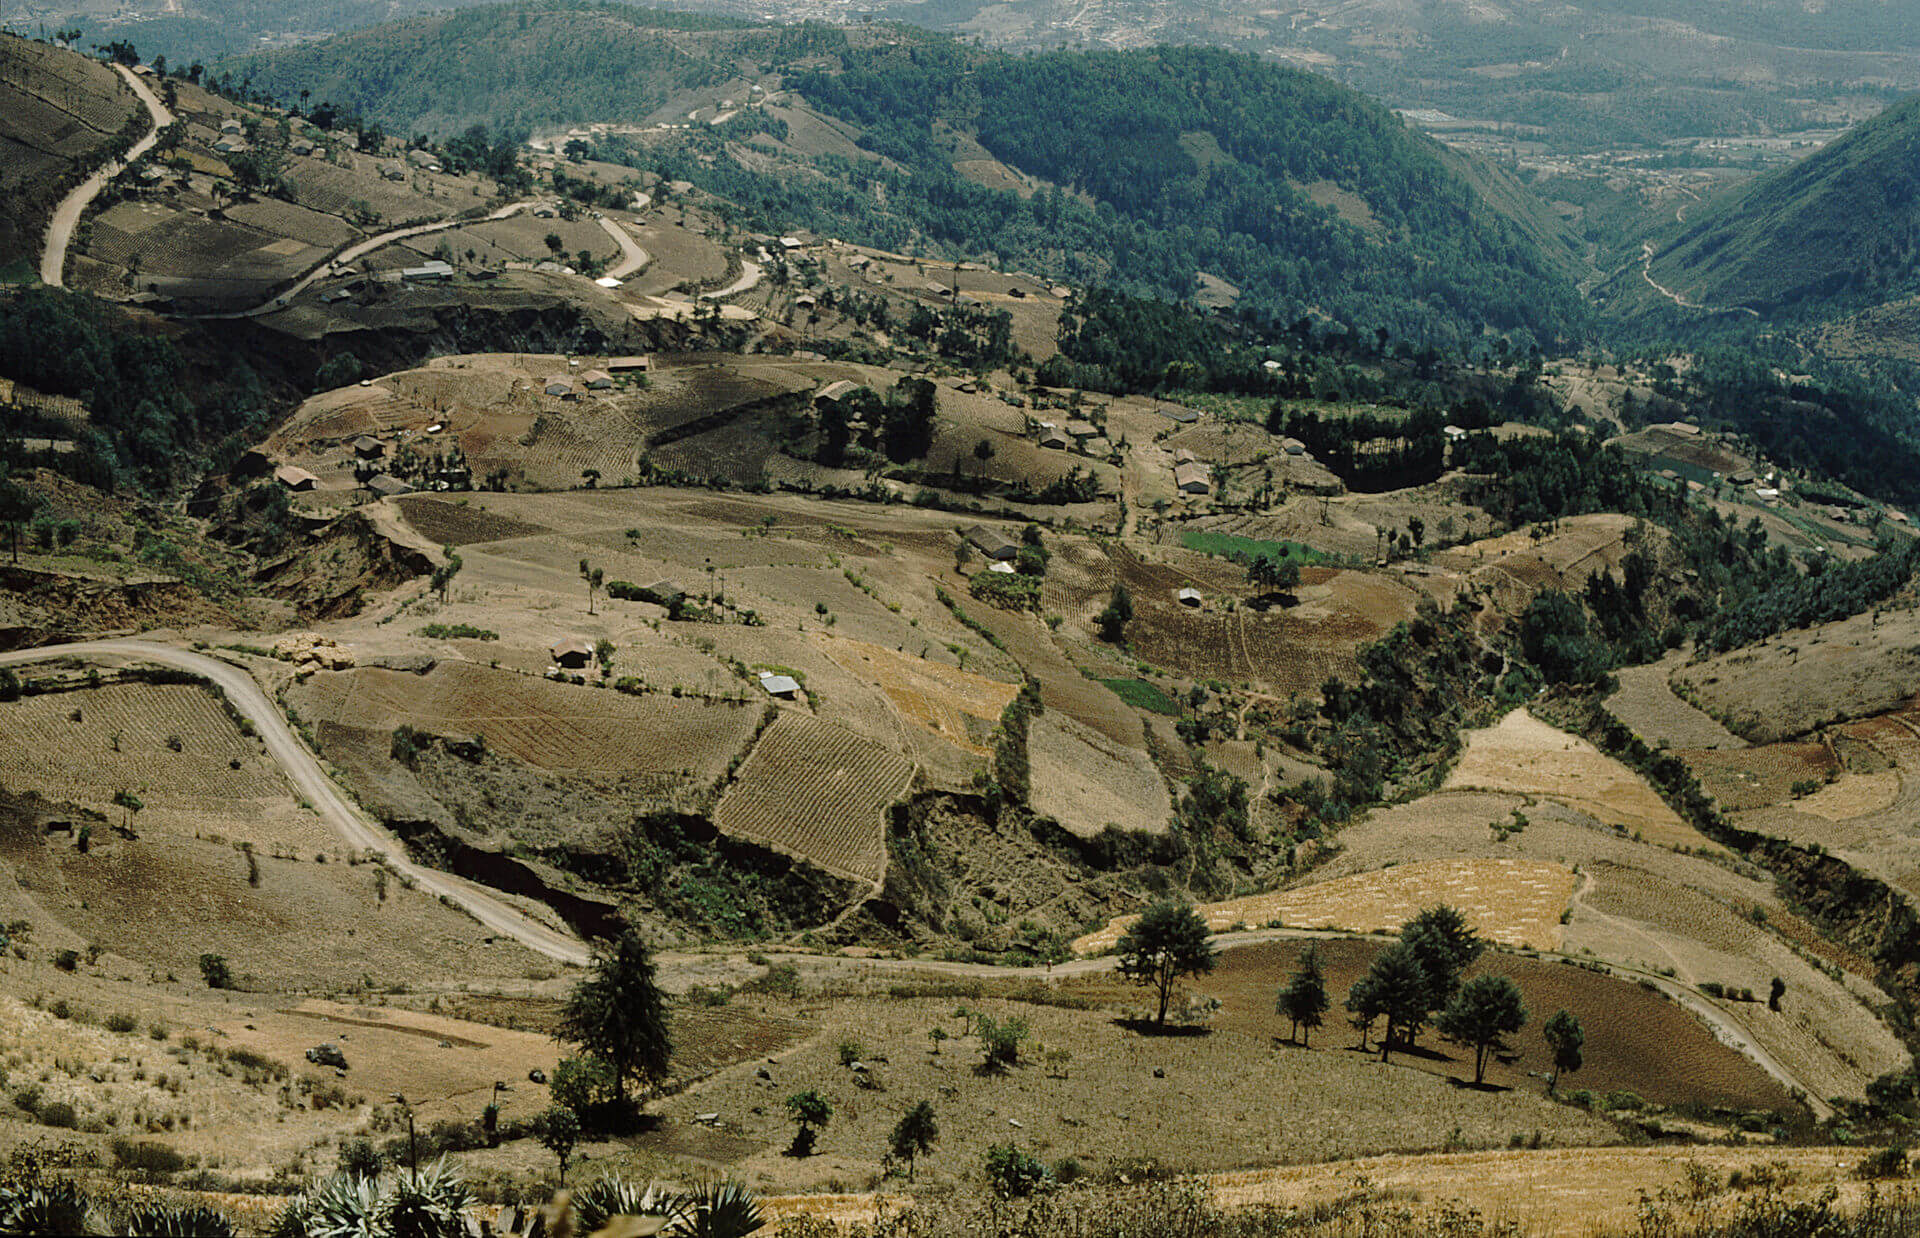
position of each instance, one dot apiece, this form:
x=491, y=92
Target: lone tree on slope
x=1485, y=1009
x=1565, y=1037
x=617, y=1014
x=1167, y=942
x=812, y=1111
x=914, y=1136
x=1304, y=999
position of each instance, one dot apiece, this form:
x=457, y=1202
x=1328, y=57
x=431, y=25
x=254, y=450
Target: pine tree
x=618, y=1015
x=1304, y=999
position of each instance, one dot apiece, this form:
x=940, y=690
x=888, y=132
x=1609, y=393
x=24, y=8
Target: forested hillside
x=1834, y=232
x=1157, y=165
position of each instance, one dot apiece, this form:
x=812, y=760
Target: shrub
x=1888, y=1162
x=120, y=1021
x=59, y=1114
x=66, y=960
x=145, y=1156
x=851, y=1051
x=1013, y=1173
x=213, y=968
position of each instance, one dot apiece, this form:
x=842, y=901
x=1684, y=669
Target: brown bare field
x=813, y=790
x=1762, y=775
x=1087, y=782
x=1524, y=755
x=1647, y=703
x=550, y=725
x=1514, y=566
x=1796, y=682
x=1510, y=901
x=958, y=706
x=86, y=746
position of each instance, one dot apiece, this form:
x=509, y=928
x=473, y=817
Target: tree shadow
x=1470, y=1086
x=1147, y=1027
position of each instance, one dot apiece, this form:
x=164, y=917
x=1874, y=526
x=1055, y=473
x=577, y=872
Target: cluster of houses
x=1079, y=434
x=569, y=386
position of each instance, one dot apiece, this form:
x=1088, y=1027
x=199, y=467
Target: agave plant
x=714, y=1210
x=605, y=1198
x=161, y=1221
x=719, y=1210
x=51, y=1207
x=426, y=1204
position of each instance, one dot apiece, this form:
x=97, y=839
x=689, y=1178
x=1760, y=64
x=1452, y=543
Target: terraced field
x=549, y=725
x=818, y=792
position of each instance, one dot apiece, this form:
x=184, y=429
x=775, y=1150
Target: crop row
x=819, y=792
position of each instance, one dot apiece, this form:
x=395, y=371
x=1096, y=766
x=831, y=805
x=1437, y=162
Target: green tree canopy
x=1485, y=1009
x=914, y=1135
x=618, y=1014
x=1446, y=945
x=1169, y=941
x=1394, y=987
x=1304, y=998
x=1565, y=1037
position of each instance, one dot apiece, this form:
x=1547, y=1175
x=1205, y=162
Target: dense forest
x=1201, y=160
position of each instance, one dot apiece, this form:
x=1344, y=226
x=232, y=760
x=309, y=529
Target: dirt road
x=312, y=783
x=66, y=216
x=636, y=258
x=353, y=252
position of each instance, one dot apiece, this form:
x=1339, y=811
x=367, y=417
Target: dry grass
x=1647, y=703
x=1086, y=781
x=958, y=706
x=1514, y=902
x=1523, y=755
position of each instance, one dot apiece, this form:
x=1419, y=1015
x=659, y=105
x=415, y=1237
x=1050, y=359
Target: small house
x=1189, y=596
x=1050, y=436
x=229, y=146
x=791, y=243
x=607, y=281
x=230, y=125
x=1454, y=433
x=300, y=146
x=1293, y=447
x=1001, y=566
x=367, y=447
x=386, y=485
x=1183, y=456
x=1081, y=429
x=786, y=687
x=992, y=543
x=629, y=365
x=558, y=385
x=392, y=173
x=596, y=380
x=295, y=478
x=806, y=301
x=834, y=393
x=424, y=159
x=427, y=272
x=1185, y=416
x=1896, y=515
x=1192, y=479
x=574, y=653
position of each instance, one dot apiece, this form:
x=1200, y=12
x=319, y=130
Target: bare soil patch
x=1794, y=683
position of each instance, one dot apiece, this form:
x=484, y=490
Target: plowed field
x=813, y=790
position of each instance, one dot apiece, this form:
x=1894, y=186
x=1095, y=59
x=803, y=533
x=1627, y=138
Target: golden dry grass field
x=1510, y=901
x=1523, y=755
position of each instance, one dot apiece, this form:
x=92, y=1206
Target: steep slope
x=1838, y=231
x=1148, y=169
x=61, y=116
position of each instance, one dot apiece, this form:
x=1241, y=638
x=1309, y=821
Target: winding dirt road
x=357, y=250
x=312, y=782
x=66, y=216
x=636, y=258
